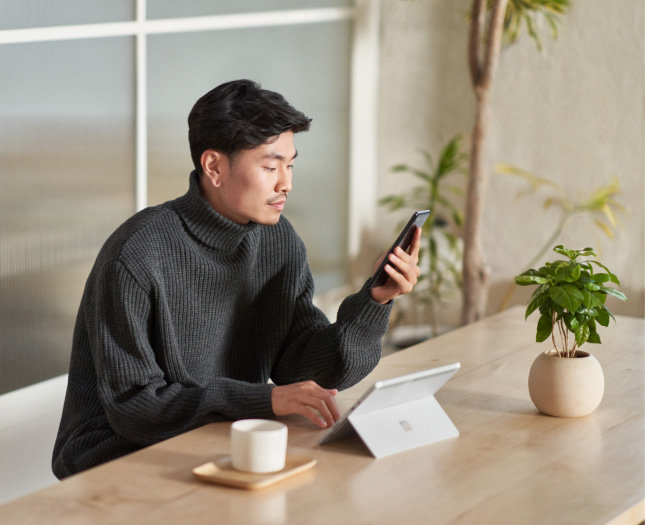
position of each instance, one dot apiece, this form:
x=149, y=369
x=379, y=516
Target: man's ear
x=213, y=165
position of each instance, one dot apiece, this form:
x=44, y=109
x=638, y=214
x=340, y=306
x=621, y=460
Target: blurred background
x=94, y=98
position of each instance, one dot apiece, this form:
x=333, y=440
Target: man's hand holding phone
x=402, y=270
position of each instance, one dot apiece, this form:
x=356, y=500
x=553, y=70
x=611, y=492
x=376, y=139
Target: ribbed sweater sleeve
x=334, y=355
x=141, y=402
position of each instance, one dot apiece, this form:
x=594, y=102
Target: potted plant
x=440, y=254
x=570, y=298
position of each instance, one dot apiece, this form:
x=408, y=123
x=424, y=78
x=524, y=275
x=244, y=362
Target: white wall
x=30, y=418
x=573, y=113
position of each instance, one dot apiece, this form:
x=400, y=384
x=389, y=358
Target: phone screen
x=403, y=240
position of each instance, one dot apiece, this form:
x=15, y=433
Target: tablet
x=395, y=402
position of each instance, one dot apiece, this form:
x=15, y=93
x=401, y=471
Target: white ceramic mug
x=258, y=445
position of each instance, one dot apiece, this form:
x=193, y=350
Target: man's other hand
x=403, y=271
x=308, y=399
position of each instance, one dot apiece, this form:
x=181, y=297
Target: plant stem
x=563, y=338
x=553, y=335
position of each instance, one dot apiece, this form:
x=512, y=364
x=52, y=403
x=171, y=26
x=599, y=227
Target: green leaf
x=571, y=254
x=603, y=316
x=549, y=308
x=548, y=270
x=589, y=312
x=571, y=321
x=527, y=12
x=421, y=174
x=601, y=278
x=612, y=277
x=609, y=313
x=449, y=158
x=567, y=296
x=544, y=328
x=587, y=298
x=597, y=299
x=582, y=334
x=389, y=199
x=537, y=300
x=614, y=292
x=592, y=286
x=582, y=317
x=586, y=252
x=569, y=274
x=594, y=337
x=527, y=280
x=552, y=25
x=574, y=254
x=458, y=218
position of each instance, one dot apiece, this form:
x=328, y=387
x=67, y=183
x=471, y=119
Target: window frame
x=364, y=14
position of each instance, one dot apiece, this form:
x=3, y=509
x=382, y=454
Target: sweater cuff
x=259, y=403
x=240, y=400
x=362, y=308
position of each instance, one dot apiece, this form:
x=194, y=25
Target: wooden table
x=509, y=465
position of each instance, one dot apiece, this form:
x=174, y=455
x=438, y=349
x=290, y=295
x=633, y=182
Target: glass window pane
x=67, y=178
x=21, y=14
x=165, y=9
x=309, y=65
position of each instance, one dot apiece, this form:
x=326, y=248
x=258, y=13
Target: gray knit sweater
x=184, y=319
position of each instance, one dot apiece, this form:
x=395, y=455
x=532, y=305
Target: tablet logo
x=405, y=425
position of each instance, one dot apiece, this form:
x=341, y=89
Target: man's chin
x=268, y=221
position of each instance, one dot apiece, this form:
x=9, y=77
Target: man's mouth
x=278, y=203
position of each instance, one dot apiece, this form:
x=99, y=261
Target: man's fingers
x=316, y=416
x=406, y=265
x=403, y=271
x=416, y=244
x=335, y=411
x=404, y=285
x=326, y=407
x=307, y=399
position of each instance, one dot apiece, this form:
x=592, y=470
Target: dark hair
x=239, y=115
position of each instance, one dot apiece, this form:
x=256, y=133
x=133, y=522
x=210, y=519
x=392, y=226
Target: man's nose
x=284, y=181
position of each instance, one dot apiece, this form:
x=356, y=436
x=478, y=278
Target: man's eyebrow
x=278, y=156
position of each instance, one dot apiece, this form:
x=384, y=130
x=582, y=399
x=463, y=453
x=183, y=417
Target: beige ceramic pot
x=566, y=387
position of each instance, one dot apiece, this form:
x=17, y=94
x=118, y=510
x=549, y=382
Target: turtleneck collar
x=206, y=224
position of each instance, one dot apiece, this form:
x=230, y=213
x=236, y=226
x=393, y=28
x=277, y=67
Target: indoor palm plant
x=570, y=298
x=440, y=254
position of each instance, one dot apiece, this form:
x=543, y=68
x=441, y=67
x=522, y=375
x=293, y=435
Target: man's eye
x=290, y=166
x=268, y=168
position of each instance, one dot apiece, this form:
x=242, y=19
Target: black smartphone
x=403, y=240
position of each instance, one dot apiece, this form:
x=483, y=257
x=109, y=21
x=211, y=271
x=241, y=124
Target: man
x=193, y=305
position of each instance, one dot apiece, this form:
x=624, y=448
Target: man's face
x=254, y=186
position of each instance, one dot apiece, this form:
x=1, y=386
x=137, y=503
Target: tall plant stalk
x=491, y=21
x=483, y=57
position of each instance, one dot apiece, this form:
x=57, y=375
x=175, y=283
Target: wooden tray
x=221, y=471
